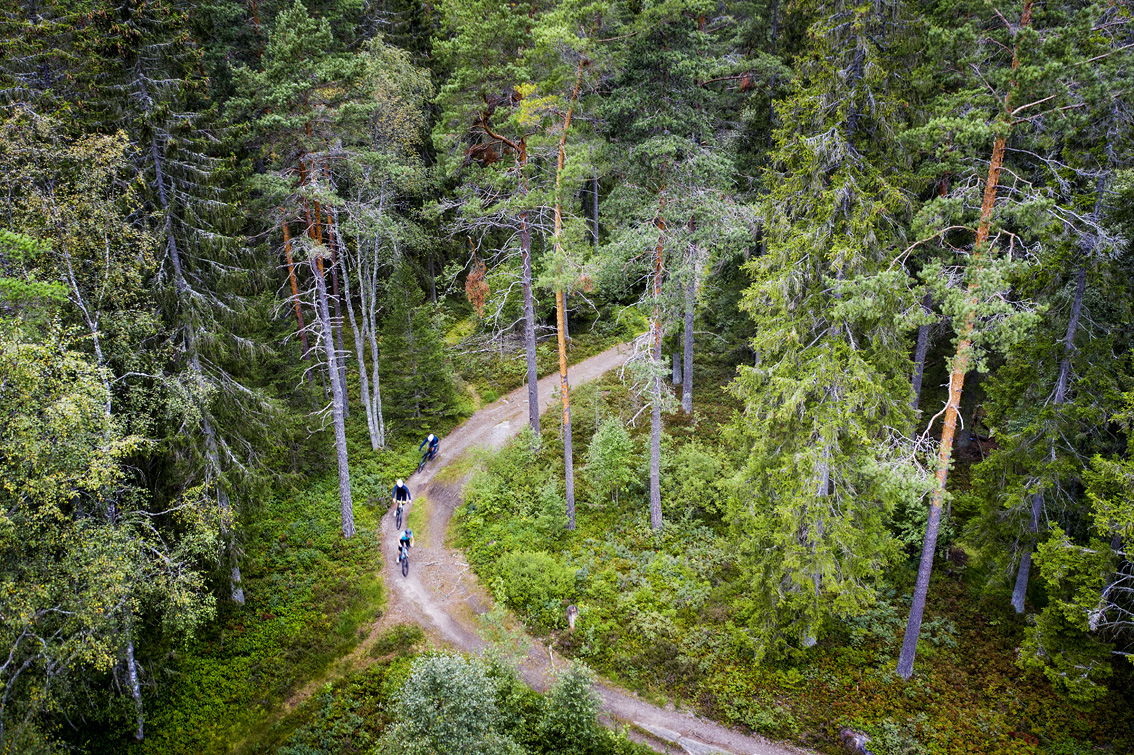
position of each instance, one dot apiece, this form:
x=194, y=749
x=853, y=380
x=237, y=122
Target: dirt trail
x=443, y=596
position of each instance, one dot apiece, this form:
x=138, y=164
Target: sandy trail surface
x=443, y=596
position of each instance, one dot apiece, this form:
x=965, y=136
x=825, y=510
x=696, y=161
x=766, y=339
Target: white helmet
x=400, y=482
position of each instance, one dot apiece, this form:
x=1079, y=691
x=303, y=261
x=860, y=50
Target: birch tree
x=376, y=169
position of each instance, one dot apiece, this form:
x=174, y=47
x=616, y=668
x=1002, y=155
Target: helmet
x=400, y=482
x=431, y=436
x=407, y=534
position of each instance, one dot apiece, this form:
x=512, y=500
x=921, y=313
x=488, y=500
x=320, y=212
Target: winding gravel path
x=443, y=596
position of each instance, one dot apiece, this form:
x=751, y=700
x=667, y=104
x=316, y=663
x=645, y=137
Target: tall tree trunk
x=293, y=280
x=920, y=353
x=687, y=377
x=336, y=297
x=1020, y=589
x=594, y=211
x=774, y=25
x=339, y=374
x=1062, y=381
x=338, y=327
x=529, y=306
x=565, y=398
x=368, y=298
x=960, y=368
x=656, y=371
x=529, y=324
x=359, y=336
x=561, y=304
x=346, y=505
x=135, y=691
x=224, y=505
x=375, y=380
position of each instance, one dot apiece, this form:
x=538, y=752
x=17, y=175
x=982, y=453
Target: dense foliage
x=875, y=260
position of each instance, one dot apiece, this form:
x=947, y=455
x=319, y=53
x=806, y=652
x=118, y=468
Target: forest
x=781, y=354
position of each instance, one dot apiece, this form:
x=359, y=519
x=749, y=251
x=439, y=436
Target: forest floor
x=443, y=595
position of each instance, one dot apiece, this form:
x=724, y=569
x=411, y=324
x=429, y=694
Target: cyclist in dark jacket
x=401, y=492
x=431, y=444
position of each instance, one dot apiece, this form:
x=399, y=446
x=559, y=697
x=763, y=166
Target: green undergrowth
x=662, y=612
x=311, y=594
x=380, y=709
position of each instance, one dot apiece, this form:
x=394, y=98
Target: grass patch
x=417, y=519
x=403, y=639
x=457, y=469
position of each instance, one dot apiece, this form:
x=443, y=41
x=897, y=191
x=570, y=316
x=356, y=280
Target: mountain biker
x=401, y=496
x=434, y=445
x=405, y=542
x=401, y=492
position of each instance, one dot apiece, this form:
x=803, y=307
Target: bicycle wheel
x=398, y=518
x=405, y=566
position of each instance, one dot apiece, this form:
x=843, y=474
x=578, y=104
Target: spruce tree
x=826, y=407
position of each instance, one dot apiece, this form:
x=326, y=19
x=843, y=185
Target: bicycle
x=398, y=511
x=426, y=458
x=403, y=559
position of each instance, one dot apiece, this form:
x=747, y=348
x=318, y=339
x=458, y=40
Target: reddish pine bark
x=960, y=368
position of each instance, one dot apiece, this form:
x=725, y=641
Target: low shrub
x=537, y=585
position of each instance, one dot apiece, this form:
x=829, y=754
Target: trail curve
x=443, y=595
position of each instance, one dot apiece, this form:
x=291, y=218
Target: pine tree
x=483, y=141
x=1052, y=398
x=674, y=168
x=1020, y=73
x=565, y=62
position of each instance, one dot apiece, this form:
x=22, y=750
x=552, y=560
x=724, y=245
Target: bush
x=889, y=737
x=611, y=460
x=692, y=479
x=569, y=722
x=536, y=585
x=448, y=704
